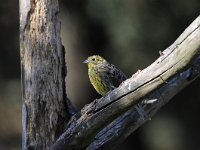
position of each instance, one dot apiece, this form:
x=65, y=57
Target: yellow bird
x=103, y=76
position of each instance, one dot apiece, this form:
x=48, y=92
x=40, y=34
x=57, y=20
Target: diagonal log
x=177, y=67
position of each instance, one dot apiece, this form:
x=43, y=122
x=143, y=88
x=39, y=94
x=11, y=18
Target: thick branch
x=161, y=78
x=116, y=132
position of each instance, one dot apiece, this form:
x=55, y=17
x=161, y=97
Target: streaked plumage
x=103, y=76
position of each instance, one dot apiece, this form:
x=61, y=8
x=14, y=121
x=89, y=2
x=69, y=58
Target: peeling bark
x=45, y=106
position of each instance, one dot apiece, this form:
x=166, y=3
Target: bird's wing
x=116, y=76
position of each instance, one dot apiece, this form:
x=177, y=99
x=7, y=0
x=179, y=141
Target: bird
x=103, y=76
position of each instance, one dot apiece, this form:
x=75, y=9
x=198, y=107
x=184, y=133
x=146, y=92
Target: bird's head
x=94, y=60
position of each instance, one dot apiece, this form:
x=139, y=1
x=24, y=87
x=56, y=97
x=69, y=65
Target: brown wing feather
x=116, y=76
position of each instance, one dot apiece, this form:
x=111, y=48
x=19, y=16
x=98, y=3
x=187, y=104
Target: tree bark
x=45, y=106
x=100, y=124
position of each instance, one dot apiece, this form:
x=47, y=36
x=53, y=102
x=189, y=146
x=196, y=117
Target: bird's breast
x=99, y=81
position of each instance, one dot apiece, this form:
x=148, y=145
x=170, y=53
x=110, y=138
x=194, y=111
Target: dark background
x=129, y=34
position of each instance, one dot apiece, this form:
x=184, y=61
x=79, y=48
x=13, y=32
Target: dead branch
x=177, y=66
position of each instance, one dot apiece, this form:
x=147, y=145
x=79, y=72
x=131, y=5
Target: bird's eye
x=93, y=59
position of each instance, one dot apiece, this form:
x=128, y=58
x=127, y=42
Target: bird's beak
x=86, y=61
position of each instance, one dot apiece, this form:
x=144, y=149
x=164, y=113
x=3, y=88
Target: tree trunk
x=45, y=111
